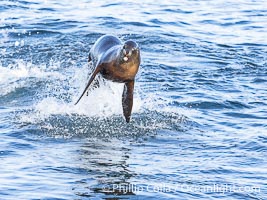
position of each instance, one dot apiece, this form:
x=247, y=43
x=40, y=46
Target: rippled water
x=198, y=128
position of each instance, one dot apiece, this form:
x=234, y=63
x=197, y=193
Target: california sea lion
x=118, y=62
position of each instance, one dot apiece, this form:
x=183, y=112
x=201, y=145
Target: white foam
x=11, y=77
x=100, y=102
x=103, y=101
x=63, y=88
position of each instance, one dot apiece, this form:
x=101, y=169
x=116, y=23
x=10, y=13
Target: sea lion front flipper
x=89, y=57
x=127, y=100
x=97, y=70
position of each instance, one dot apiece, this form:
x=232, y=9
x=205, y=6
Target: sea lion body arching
x=118, y=62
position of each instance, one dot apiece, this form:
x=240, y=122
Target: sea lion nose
x=130, y=52
x=127, y=52
x=124, y=52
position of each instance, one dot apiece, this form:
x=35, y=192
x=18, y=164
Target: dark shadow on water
x=107, y=171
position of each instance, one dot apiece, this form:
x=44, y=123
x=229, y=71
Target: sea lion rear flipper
x=127, y=100
x=97, y=70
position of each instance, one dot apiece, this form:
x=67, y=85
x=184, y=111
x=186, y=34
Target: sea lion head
x=130, y=51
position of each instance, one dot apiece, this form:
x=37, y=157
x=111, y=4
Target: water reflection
x=107, y=168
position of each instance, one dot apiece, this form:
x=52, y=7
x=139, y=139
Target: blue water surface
x=199, y=123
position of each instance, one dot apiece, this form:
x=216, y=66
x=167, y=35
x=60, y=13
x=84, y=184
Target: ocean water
x=199, y=123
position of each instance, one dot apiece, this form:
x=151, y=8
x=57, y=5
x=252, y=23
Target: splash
x=102, y=101
x=16, y=76
x=99, y=113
